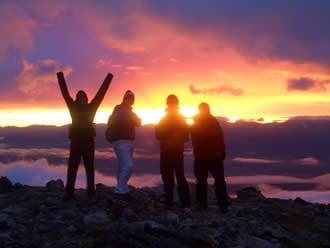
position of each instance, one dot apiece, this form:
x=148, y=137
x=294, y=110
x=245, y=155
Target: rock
x=35, y=217
x=150, y=226
x=100, y=186
x=249, y=193
x=70, y=213
x=5, y=185
x=17, y=186
x=116, y=208
x=255, y=242
x=71, y=229
x=14, y=210
x=55, y=185
x=169, y=218
x=5, y=221
x=4, y=236
x=97, y=218
x=128, y=215
x=298, y=200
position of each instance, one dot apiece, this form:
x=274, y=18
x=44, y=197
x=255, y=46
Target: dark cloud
x=286, y=30
x=306, y=84
x=217, y=90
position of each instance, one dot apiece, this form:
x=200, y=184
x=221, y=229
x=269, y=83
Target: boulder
x=128, y=215
x=169, y=218
x=249, y=193
x=96, y=218
x=116, y=208
x=55, y=185
x=255, y=242
x=5, y=221
x=5, y=185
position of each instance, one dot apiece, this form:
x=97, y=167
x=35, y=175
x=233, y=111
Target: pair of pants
x=201, y=169
x=124, y=152
x=171, y=165
x=81, y=149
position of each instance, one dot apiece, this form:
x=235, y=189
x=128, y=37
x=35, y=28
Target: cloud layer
x=307, y=84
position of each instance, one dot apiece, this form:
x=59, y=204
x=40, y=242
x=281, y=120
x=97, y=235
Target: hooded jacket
x=122, y=124
x=207, y=137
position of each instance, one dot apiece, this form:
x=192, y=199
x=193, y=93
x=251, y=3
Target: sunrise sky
x=248, y=59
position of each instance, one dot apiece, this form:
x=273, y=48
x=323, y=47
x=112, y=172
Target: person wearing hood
x=172, y=132
x=210, y=152
x=82, y=133
x=121, y=134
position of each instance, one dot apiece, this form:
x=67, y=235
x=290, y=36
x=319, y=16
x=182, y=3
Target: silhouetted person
x=121, y=134
x=210, y=152
x=82, y=133
x=172, y=132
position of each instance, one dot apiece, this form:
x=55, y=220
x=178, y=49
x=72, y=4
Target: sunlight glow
x=233, y=118
x=59, y=117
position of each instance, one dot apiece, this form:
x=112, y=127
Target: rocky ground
x=37, y=217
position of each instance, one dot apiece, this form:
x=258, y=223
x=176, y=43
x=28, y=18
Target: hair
x=204, y=106
x=81, y=93
x=172, y=100
x=127, y=94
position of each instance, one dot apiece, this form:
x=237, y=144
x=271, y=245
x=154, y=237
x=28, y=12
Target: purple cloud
x=306, y=84
x=294, y=31
x=35, y=78
x=16, y=29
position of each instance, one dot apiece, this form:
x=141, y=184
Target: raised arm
x=102, y=91
x=64, y=88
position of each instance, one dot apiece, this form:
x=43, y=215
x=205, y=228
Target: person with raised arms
x=82, y=133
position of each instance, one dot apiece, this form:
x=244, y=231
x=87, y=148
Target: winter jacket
x=172, y=132
x=122, y=124
x=207, y=137
x=83, y=115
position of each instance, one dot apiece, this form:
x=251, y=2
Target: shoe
x=122, y=196
x=121, y=191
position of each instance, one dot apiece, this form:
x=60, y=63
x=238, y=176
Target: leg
x=124, y=153
x=88, y=157
x=74, y=160
x=217, y=171
x=167, y=172
x=201, y=173
x=183, y=187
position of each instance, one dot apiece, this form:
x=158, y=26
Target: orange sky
x=254, y=64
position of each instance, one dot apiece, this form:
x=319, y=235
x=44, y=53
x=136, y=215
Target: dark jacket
x=122, y=124
x=172, y=132
x=83, y=115
x=207, y=137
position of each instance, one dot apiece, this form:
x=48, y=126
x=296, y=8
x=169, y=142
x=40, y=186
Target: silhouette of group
x=172, y=132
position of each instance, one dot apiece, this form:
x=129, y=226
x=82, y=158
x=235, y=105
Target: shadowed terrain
x=37, y=217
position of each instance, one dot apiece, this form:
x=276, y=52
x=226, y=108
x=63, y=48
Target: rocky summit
x=38, y=217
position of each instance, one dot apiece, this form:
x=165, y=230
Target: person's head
x=128, y=98
x=81, y=97
x=204, y=108
x=172, y=102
